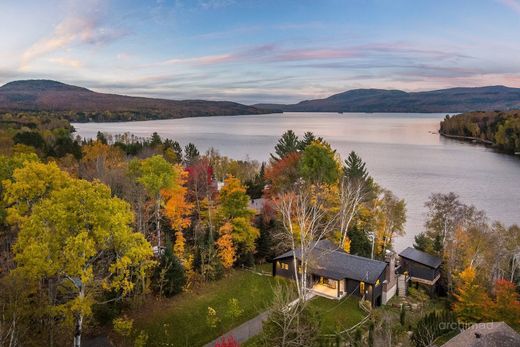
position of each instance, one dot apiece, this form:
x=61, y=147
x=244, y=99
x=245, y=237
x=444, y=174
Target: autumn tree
x=234, y=210
x=471, y=299
x=225, y=247
x=390, y=219
x=176, y=206
x=77, y=237
x=283, y=174
x=156, y=175
x=506, y=306
x=103, y=162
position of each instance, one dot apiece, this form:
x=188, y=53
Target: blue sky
x=260, y=50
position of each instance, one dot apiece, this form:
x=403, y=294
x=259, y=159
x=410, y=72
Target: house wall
x=279, y=271
x=415, y=269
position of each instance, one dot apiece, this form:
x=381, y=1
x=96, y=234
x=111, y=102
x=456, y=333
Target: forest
x=93, y=229
x=498, y=128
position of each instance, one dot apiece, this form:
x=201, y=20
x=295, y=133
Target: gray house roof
x=421, y=257
x=329, y=261
x=496, y=334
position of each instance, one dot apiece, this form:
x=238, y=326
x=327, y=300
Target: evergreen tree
x=308, y=138
x=287, y=144
x=355, y=167
x=155, y=140
x=191, y=153
x=169, y=278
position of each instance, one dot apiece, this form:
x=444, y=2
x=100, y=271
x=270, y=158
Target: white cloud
x=82, y=25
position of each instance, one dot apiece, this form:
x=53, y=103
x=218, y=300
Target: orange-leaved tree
x=226, y=249
x=506, y=306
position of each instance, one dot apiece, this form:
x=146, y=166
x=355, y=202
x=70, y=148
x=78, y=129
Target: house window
x=299, y=269
x=362, y=287
x=284, y=266
x=377, y=283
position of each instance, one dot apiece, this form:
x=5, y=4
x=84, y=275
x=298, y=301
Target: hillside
x=500, y=129
x=81, y=104
x=380, y=100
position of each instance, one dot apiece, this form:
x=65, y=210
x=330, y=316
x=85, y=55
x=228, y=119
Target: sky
x=253, y=51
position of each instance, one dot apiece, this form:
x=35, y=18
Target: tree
x=176, y=207
x=156, y=175
x=287, y=144
x=103, y=162
x=290, y=324
x=471, y=300
x=318, y=164
x=234, y=210
x=225, y=248
x=169, y=277
x=355, y=169
x=308, y=138
x=79, y=238
x=506, y=306
x=283, y=174
x=29, y=184
x=390, y=219
x=431, y=326
x=447, y=214
x=191, y=154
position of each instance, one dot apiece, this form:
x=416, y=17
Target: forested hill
x=380, y=100
x=501, y=129
x=82, y=105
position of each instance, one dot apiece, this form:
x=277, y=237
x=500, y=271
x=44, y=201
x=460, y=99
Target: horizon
x=260, y=52
x=252, y=104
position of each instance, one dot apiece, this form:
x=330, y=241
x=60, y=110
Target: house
x=257, y=205
x=420, y=267
x=493, y=334
x=333, y=273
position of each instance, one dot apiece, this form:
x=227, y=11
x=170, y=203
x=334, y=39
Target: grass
x=337, y=315
x=181, y=320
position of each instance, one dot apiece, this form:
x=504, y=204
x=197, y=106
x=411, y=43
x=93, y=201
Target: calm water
x=402, y=151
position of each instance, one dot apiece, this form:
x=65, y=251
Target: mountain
x=81, y=104
x=380, y=100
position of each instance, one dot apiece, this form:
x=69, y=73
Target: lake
x=403, y=153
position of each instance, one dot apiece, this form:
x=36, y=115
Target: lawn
x=337, y=315
x=181, y=320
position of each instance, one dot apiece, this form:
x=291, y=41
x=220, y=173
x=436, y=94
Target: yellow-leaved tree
x=471, y=299
x=73, y=235
x=234, y=211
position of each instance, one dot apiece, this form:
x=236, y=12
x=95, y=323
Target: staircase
x=401, y=286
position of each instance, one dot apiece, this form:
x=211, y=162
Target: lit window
x=377, y=283
x=362, y=287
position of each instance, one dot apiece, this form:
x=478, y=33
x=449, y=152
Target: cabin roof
x=421, y=257
x=495, y=334
x=332, y=262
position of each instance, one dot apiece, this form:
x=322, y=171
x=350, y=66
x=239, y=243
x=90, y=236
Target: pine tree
x=288, y=143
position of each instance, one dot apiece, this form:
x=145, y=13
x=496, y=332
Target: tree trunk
x=158, y=222
x=79, y=320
